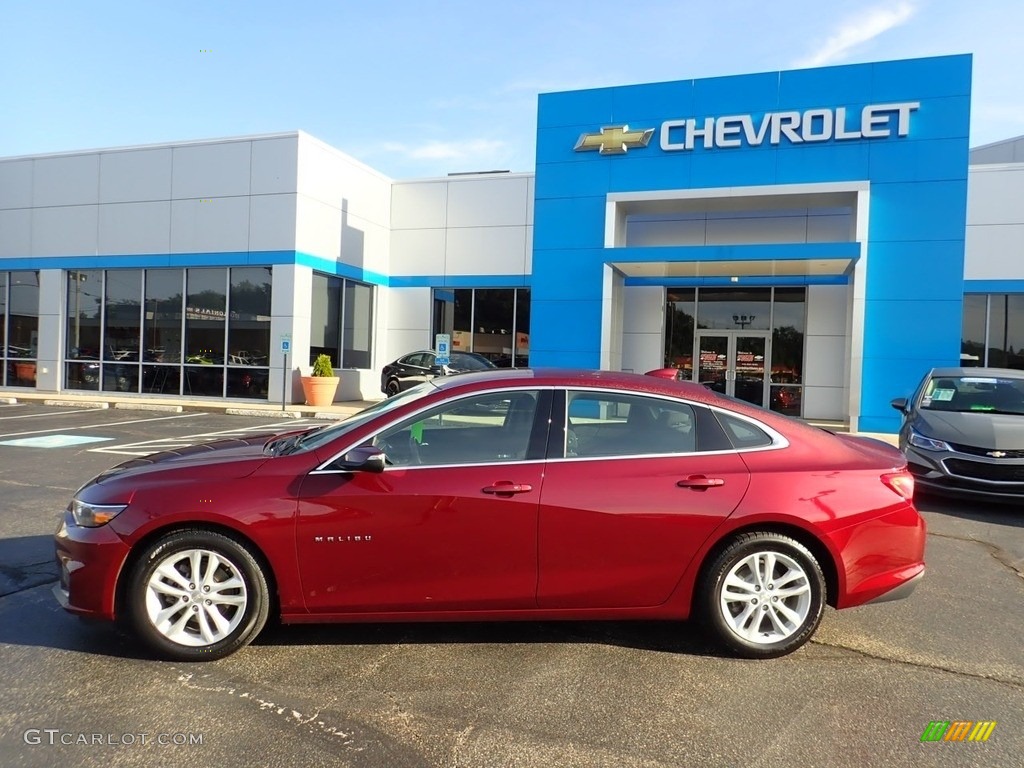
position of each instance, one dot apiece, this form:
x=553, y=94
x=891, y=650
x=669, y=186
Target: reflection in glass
x=120, y=377
x=972, y=337
x=205, y=306
x=462, y=329
x=249, y=323
x=161, y=379
x=788, y=324
x=522, y=353
x=325, y=308
x=750, y=369
x=204, y=380
x=358, y=325
x=679, y=324
x=162, y=325
x=82, y=376
x=744, y=309
x=122, y=315
x=248, y=382
x=713, y=362
x=22, y=333
x=84, y=300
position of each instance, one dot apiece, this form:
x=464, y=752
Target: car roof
x=580, y=377
x=1004, y=372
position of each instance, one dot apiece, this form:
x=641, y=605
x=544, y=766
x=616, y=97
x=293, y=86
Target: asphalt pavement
x=529, y=694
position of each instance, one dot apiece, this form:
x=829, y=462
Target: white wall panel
x=644, y=309
x=642, y=352
x=824, y=403
x=830, y=229
x=64, y=231
x=376, y=248
x=528, y=247
x=400, y=342
x=409, y=309
x=485, y=251
x=782, y=229
x=68, y=180
x=642, y=234
x=274, y=166
x=531, y=186
x=126, y=228
x=824, y=360
x=211, y=170
x=317, y=228
x=320, y=173
x=135, y=175
x=16, y=184
x=417, y=252
x=272, y=222
x=421, y=205
x=994, y=195
x=994, y=252
x=826, y=310
x=365, y=194
x=487, y=202
x=221, y=224
x=15, y=233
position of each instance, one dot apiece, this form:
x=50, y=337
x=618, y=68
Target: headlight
x=920, y=441
x=94, y=515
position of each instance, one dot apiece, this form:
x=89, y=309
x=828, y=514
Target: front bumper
x=89, y=561
x=967, y=475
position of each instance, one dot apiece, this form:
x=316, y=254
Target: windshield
x=974, y=394
x=318, y=437
x=467, y=361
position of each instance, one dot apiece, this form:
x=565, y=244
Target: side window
x=609, y=424
x=419, y=360
x=742, y=433
x=482, y=428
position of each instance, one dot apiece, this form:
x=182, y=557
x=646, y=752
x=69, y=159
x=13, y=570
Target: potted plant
x=321, y=387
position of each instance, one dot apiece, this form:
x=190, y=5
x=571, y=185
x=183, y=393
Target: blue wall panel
x=917, y=183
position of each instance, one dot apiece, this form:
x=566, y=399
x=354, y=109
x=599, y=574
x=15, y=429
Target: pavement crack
x=923, y=664
x=999, y=555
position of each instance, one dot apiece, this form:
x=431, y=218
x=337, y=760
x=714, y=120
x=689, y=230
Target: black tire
x=201, y=621
x=751, y=621
x=392, y=388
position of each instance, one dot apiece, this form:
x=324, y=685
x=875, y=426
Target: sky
x=421, y=89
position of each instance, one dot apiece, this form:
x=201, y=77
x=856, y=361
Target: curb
x=148, y=407
x=76, y=404
x=263, y=413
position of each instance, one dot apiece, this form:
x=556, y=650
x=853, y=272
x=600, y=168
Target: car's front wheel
x=392, y=388
x=197, y=595
x=763, y=596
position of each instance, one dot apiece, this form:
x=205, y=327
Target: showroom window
x=341, y=324
x=203, y=331
x=493, y=322
x=19, y=327
x=993, y=331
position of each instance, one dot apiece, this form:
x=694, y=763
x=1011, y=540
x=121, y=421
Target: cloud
x=448, y=150
x=855, y=31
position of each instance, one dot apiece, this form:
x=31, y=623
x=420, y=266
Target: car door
x=449, y=525
x=631, y=492
x=414, y=369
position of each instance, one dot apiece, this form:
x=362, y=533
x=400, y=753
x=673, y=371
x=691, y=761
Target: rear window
x=742, y=433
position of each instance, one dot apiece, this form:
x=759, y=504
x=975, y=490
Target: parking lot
x=533, y=694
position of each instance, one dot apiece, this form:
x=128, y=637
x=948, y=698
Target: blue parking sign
x=442, y=346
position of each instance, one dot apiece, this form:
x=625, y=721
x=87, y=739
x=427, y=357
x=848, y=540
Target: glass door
x=734, y=363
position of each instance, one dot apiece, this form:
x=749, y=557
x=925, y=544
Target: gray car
x=963, y=433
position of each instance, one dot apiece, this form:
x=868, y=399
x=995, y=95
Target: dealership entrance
x=733, y=363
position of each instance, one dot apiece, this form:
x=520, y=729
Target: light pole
x=743, y=320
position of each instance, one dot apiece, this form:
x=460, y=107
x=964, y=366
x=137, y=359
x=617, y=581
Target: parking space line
x=146, y=447
x=99, y=426
x=48, y=415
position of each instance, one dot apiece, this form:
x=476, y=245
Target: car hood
x=983, y=430
x=237, y=457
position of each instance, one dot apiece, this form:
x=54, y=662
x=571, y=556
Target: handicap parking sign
x=443, y=345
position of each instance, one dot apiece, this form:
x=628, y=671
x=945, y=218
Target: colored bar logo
x=958, y=730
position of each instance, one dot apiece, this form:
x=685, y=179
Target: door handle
x=509, y=488
x=700, y=482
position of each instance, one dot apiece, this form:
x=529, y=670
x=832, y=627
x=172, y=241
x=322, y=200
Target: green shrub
x=322, y=366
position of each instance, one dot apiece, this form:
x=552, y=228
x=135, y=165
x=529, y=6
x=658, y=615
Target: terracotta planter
x=319, y=390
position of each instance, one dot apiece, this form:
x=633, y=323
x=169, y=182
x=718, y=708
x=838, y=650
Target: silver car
x=963, y=433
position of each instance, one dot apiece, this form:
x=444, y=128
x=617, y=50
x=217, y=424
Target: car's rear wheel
x=197, y=595
x=763, y=596
x=392, y=388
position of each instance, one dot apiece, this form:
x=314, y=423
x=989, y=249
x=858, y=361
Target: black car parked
x=417, y=367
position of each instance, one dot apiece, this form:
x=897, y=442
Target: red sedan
x=506, y=495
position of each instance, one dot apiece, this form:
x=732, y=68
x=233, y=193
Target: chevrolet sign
x=877, y=121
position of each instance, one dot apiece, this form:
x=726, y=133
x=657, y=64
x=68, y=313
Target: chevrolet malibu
x=503, y=495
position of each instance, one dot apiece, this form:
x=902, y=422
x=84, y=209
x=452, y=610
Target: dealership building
x=810, y=240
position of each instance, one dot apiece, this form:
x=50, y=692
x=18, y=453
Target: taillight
x=901, y=482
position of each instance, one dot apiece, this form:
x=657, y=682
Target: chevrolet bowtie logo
x=997, y=454
x=614, y=140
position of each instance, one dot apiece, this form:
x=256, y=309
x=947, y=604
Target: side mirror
x=900, y=404
x=365, y=458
